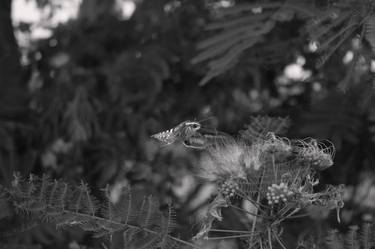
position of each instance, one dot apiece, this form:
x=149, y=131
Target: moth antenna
x=205, y=119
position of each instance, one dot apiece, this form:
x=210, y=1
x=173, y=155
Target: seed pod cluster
x=277, y=193
x=229, y=188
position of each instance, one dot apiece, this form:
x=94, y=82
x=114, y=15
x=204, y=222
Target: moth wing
x=219, y=140
x=165, y=137
x=196, y=141
x=216, y=138
x=206, y=140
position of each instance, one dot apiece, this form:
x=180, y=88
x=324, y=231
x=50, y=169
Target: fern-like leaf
x=355, y=238
x=240, y=28
x=367, y=236
x=370, y=31
x=334, y=240
x=143, y=224
x=261, y=126
x=351, y=238
x=19, y=246
x=336, y=118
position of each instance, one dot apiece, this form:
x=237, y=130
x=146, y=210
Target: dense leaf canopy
x=82, y=103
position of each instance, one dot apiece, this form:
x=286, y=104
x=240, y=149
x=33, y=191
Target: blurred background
x=84, y=83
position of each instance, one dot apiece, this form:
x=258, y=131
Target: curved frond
x=143, y=224
x=240, y=28
x=370, y=32
x=351, y=238
x=261, y=126
x=336, y=118
x=367, y=235
x=334, y=240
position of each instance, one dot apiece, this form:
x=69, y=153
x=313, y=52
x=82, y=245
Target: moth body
x=179, y=133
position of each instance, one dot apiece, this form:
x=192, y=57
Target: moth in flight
x=179, y=133
x=191, y=134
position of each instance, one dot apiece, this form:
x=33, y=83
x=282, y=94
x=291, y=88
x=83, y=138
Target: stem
x=229, y=237
x=279, y=241
x=259, y=205
x=298, y=216
x=183, y=242
x=274, y=167
x=253, y=245
x=269, y=237
x=243, y=210
x=124, y=226
x=283, y=210
x=255, y=219
x=297, y=175
x=228, y=231
x=286, y=217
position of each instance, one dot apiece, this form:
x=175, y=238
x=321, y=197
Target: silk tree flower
x=237, y=160
x=276, y=175
x=318, y=155
x=223, y=161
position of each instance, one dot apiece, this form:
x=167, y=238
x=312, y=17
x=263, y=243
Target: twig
x=258, y=199
x=278, y=240
x=229, y=237
x=228, y=231
x=269, y=237
x=243, y=210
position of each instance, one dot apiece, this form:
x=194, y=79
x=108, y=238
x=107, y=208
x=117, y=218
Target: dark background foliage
x=85, y=104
